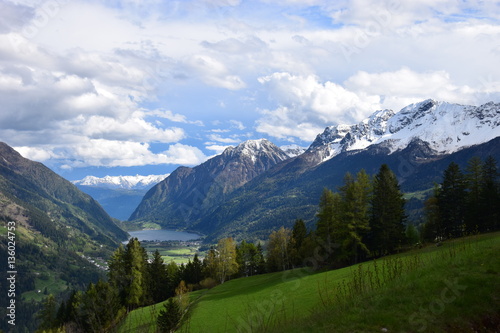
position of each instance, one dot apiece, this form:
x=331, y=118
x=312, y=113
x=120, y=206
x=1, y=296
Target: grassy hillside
x=453, y=287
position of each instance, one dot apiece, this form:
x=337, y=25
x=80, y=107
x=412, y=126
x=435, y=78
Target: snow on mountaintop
x=445, y=126
x=254, y=148
x=293, y=150
x=125, y=182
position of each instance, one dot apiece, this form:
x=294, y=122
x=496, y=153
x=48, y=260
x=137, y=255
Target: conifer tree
x=387, y=213
x=136, y=263
x=169, y=316
x=451, y=201
x=354, y=221
x=327, y=226
x=473, y=178
x=490, y=196
x=432, y=229
x=299, y=234
x=48, y=314
x=158, y=288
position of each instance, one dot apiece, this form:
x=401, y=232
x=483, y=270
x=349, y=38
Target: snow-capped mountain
x=446, y=127
x=189, y=193
x=293, y=150
x=121, y=182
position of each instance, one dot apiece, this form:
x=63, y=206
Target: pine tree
x=158, y=288
x=473, y=178
x=48, y=314
x=490, y=196
x=117, y=273
x=432, y=229
x=136, y=264
x=299, y=234
x=327, y=226
x=451, y=201
x=387, y=213
x=354, y=221
x=169, y=316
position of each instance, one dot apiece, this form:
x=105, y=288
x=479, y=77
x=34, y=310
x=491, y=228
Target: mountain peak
x=255, y=148
x=447, y=127
x=124, y=182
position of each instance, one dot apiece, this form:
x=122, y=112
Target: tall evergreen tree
x=48, y=314
x=136, y=264
x=387, y=213
x=117, y=273
x=432, y=229
x=473, y=178
x=158, y=283
x=490, y=196
x=327, y=226
x=451, y=201
x=169, y=316
x=354, y=224
x=299, y=234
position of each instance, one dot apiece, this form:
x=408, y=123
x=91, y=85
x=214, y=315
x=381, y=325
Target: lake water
x=163, y=235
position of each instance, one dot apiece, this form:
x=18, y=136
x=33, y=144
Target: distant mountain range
x=118, y=195
x=137, y=182
x=255, y=187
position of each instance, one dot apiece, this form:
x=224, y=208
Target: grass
x=47, y=285
x=178, y=254
x=140, y=320
x=438, y=289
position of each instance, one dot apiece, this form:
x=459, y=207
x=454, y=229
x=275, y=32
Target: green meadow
x=453, y=287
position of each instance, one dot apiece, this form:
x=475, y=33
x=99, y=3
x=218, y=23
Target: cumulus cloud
x=218, y=138
x=306, y=106
x=213, y=72
x=114, y=153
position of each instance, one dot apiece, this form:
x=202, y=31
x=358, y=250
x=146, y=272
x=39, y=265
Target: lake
x=163, y=235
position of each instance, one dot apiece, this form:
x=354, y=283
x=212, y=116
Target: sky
x=126, y=87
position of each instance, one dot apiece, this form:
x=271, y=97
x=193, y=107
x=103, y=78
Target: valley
x=234, y=234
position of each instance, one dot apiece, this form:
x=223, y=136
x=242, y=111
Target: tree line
x=364, y=218
x=465, y=202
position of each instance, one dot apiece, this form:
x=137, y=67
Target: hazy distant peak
x=125, y=182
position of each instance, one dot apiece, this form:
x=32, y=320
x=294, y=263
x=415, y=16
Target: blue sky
x=141, y=87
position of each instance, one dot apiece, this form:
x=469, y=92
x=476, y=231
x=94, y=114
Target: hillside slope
x=55, y=226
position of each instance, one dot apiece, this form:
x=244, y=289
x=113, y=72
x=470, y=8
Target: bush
x=208, y=283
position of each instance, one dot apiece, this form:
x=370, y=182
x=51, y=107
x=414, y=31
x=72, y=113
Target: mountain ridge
x=189, y=192
x=429, y=120
x=121, y=182
x=417, y=138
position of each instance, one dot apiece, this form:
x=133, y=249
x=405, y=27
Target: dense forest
x=363, y=219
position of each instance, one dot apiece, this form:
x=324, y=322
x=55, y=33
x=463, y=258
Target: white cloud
x=218, y=149
x=113, y=153
x=100, y=74
x=237, y=124
x=218, y=138
x=402, y=87
x=213, y=72
x=306, y=106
